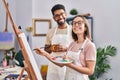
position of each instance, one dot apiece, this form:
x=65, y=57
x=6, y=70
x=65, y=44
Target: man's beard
x=60, y=22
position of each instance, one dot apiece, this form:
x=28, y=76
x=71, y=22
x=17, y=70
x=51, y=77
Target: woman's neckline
x=80, y=42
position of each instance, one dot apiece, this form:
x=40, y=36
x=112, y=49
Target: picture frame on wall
x=40, y=26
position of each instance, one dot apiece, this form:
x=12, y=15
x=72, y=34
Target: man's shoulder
x=52, y=29
x=70, y=27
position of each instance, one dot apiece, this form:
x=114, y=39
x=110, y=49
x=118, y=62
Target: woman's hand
x=65, y=57
x=40, y=51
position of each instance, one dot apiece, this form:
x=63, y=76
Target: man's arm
x=55, y=48
x=48, y=48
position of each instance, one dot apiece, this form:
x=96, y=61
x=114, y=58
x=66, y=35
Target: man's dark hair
x=57, y=7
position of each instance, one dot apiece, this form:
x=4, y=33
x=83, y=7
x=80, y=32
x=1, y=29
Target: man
x=57, y=40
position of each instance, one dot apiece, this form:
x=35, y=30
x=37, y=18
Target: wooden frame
x=41, y=26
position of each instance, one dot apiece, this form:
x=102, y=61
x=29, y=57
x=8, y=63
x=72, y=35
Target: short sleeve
x=90, y=51
x=49, y=36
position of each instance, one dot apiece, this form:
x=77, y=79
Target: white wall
x=106, y=22
x=24, y=16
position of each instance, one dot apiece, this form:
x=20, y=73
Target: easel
x=29, y=59
x=6, y=25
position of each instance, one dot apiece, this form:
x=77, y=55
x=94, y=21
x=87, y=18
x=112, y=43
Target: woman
x=82, y=52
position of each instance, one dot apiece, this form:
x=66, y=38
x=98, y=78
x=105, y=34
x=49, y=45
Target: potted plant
x=102, y=63
x=9, y=55
x=73, y=12
x=16, y=57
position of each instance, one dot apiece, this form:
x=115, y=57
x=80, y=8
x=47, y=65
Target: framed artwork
x=90, y=20
x=40, y=26
x=6, y=40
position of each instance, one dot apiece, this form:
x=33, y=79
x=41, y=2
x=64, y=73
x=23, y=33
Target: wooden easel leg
x=20, y=76
x=29, y=75
x=26, y=78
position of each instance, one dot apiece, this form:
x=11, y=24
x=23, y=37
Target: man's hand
x=58, y=48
